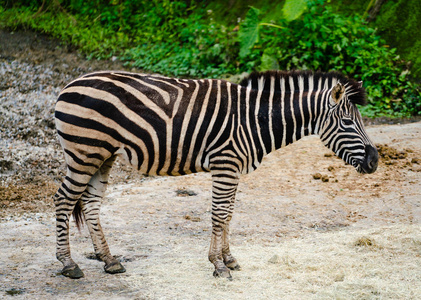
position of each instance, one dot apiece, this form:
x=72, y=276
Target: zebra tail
x=77, y=215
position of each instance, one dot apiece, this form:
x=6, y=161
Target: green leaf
x=293, y=9
x=268, y=62
x=249, y=31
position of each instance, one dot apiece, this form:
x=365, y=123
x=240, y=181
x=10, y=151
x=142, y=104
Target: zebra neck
x=291, y=116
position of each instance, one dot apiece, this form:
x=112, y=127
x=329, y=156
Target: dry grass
x=333, y=265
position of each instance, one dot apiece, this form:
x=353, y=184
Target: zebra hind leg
x=65, y=201
x=91, y=202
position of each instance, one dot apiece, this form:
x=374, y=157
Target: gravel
x=33, y=70
x=27, y=137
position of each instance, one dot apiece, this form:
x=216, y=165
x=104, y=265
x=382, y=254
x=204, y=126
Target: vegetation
x=186, y=38
x=397, y=22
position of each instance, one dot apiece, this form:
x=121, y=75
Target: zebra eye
x=347, y=122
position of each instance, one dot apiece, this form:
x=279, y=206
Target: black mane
x=356, y=94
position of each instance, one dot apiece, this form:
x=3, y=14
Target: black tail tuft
x=77, y=215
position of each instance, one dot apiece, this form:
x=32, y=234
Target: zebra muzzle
x=369, y=165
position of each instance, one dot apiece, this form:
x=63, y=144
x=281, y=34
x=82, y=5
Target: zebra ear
x=360, y=84
x=338, y=92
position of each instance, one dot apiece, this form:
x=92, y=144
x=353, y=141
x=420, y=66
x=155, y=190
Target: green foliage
x=293, y=9
x=323, y=40
x=182, y=38
x=398, y=22
x=193, y=47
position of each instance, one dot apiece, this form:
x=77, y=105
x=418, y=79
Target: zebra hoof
x=73, y=272
x=114, y=268
x=222, y=273
x=233, y=265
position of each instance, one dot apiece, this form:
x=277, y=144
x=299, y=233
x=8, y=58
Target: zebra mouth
x=359, y=166
x=361, y=169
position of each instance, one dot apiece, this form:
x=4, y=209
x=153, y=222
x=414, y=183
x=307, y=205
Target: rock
x=365, y=242
x=274, y=259
x=416, y=161
x=185, y=193
x=193, y=219
x=317, y=176
x=14, y=292
x=325, y=178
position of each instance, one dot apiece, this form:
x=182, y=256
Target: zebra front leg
x=224, y=187
x=91, y=202
x=215, y=253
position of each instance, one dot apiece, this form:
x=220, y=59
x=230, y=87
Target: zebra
x=169, y=126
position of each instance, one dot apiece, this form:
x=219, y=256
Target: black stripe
x=74, y=182
x=73, y=170
x=78, y=160
x=87, y=141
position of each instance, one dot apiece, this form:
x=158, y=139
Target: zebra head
x=343, y=129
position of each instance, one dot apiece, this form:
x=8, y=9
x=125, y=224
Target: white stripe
x=270, y=113
x=182, y=81
x=319, y=104
x=284, y=123
x=260, y=86
x=310, y=91
x=92, y=133
x=291, y=103
x=169, y=123
x=300, y=102
x=249, y=132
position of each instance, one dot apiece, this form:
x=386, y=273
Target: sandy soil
x=343, y=236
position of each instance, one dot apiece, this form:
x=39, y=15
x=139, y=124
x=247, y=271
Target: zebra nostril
x=371, y=158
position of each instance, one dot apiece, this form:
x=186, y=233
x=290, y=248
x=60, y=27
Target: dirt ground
x=305, y=226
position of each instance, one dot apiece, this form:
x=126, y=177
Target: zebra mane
x=353, y=89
